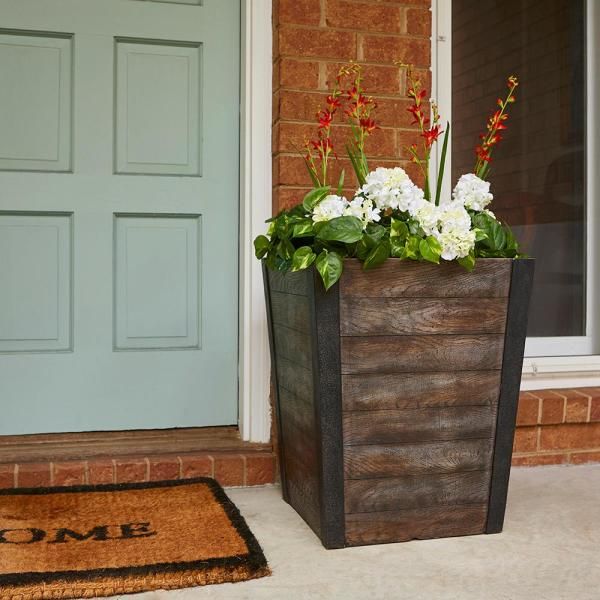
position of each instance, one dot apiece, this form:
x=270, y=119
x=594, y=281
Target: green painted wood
x=118, y=290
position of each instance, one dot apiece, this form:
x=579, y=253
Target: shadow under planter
x=397, y=395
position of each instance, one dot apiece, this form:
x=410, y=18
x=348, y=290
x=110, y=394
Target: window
x=543, y=174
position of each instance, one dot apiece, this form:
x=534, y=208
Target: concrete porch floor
x=549, y=550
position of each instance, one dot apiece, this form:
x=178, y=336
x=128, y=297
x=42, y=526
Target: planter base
x=397, y=394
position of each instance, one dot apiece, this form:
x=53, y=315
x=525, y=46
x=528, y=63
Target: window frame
x=552, y=361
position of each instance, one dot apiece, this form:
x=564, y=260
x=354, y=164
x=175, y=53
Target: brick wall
x=312, y=39
x=558, y=427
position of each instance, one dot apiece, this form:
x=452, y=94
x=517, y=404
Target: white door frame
x=255, y=208
x=580, y=365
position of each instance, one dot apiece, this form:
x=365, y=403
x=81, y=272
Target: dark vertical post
x=512, y=365
x=274, y=383
x=328, y=407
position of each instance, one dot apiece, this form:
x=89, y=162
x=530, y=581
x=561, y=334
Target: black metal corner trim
x=328, y=409
x=512, y=365
x=274, y=383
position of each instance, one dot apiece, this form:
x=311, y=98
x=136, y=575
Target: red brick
x=69, y=473
x=525, y=439
x=595, y=410
x=303, y=74
x=7, y=476
x=196, y=466
x=260, y=470
x=229, y=469
x=377, y=79
x=299, y=12
x=529, y=407
x=392, y=112
x=577, y=409
x=33, y=475
x=131, y=470
x=536, y=460
x=322, y=43
x=418, y=22
x=365, y=16
x=100, y=472
x=389, y=49
x=553, y=406
x=580, y=458
x=300, y=106
x=288, y=197
x=570, y=437
x=164, y=468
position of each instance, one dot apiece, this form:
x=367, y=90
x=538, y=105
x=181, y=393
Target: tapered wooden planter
x=397, y=395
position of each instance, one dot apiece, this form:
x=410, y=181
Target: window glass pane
x=538, y=171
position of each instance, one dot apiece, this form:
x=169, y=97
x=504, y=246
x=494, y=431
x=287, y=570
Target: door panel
x=118, y=280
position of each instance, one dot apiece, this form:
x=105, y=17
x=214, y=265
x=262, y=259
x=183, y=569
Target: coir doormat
x=104, y=540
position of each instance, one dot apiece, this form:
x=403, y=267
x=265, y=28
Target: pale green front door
x=119, y=179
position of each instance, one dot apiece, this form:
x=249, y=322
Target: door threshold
x=39, y=460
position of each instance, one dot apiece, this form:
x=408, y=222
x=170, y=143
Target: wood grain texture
x=413, y=316
x=289, y=283
x=295, y=379
x=293, y=345
x=418, y=523
x=395, y=460
x=419, y=390
x=291, y=311
x=389, y=354
x=398, y=278
x=414, y=491
x=400, y=426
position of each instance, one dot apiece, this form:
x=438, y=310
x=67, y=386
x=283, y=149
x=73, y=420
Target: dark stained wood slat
x=413, y=316
x=289, y=283
x=419, y=390
x=419, y=425
x=389, y=354
x=368, y=462
x=296, y=379
x=418, y=523
x=291, y=311
x=293, y=345
x=490, y=279
x=414, y=491
x=82, y=446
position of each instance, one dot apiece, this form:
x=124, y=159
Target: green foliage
x=330, y=266
x=341, y=229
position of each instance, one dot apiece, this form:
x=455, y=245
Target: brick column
x=312, y=39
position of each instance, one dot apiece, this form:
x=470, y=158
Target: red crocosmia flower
x=431, y=135
x=368, y=125
x=325, y=119
x=333, y=103
x=352, y=93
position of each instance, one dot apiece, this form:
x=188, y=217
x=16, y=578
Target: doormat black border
x=254, y=559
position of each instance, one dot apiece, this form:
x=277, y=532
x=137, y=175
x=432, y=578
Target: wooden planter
x=396, y=396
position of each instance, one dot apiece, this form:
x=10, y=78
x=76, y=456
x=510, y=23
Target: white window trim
x=255, y=208
x=581, y=364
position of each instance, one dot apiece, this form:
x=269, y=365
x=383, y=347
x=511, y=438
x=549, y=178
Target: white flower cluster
x=472, y=192
x=393, y=189
x=333, y=206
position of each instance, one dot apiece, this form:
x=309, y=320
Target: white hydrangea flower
x=456, y=244
x=330, y=207
x=392, y=188
x=428, y=216
x=454, y=218
x=364, y=210
x=472, y=192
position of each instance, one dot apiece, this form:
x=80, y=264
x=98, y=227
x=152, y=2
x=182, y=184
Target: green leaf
x=330, y=266
x=411, y=247
x=303, y=258
x=303, y=229
x=314, y=197
x=399, y=229
x=430, y=249
x=285, y=249
x=438, y=190
x=340, y=187
x=397, y=247
x=261, y=246
x=341, y=229
x=468, y=262
x=377, y=256
x=313, y=177
x=480, y=234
